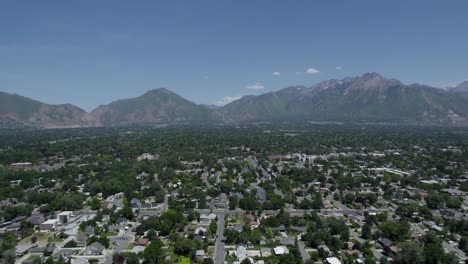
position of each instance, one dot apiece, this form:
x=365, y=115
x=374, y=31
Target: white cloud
x=256, y=86
x=312, y=71
x=339, y=67
x=226, y=100
x=276, y=73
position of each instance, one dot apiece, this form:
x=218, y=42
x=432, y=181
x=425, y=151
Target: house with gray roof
x=95, y=248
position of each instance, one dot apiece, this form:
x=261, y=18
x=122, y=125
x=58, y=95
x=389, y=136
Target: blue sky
x=93, y=52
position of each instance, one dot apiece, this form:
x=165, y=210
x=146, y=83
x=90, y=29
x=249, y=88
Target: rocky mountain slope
x=369, y=98
x=16, y=110
x=159, y=106
x=461, y=89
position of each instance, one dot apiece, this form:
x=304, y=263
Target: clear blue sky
x=93, y=52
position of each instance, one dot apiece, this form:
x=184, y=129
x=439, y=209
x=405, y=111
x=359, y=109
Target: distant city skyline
x=213, y=52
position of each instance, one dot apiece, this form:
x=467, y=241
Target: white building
x=65, y=216
x=147, y=156
x=49, y=225
x=280, y=250
x=333, y=260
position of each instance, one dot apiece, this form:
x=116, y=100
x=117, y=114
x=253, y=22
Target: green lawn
x=130, y=246
x=57, y=239
x=41, y=237
x=108, y=234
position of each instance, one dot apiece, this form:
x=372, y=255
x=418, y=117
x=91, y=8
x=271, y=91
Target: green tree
x=246, y=261
x=184, y=247
x=9, y=242
x=435, y=200
x=213, y=227
x=132, y=258
x=366, y=231
x=36, y=260
x=185, y=260
x=410, y=253
x=433, y=251
x=70, y=244
x=153, y=252
x=463, y=244
x=248, y=203
x=8, y=257
x=94, y=203
x=383, y=260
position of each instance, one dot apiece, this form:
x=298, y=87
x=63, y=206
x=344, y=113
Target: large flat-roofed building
x=49, y=225
x=65, y=216
x=21, y=166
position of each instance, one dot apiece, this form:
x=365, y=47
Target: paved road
x=108, y=259
x=219, y=251
x=296, y=212
x=120, y=243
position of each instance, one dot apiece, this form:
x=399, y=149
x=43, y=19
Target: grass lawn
x=130, y=246
x=210, y=250
x=108, y=234
x=57, y=239
x=238, y=220
x=41, y=237
x=32, y=258
x=230, y=259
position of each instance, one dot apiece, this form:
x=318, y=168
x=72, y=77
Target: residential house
x=42, y=251
x=385, y=242
x=280, y=250
x=65, y=254
x=200, y=254
x=260, y=195
x=95, y=248
x=254, y=224
x=142, y=242
x=200, y=231
x=250, y=217
x=326, y=249
x=265, y=252
x=298, y=229
x=454, y=192
x=36, y=219
x=135, y=203
x=332, y=260
x=241, y=253
x=81, y=239
x=287, y=241
x=22, y=249
x=280, y=228
x=89, y=231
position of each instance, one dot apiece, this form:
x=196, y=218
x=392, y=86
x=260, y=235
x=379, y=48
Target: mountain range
x=461, y=89
x=369, y=98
